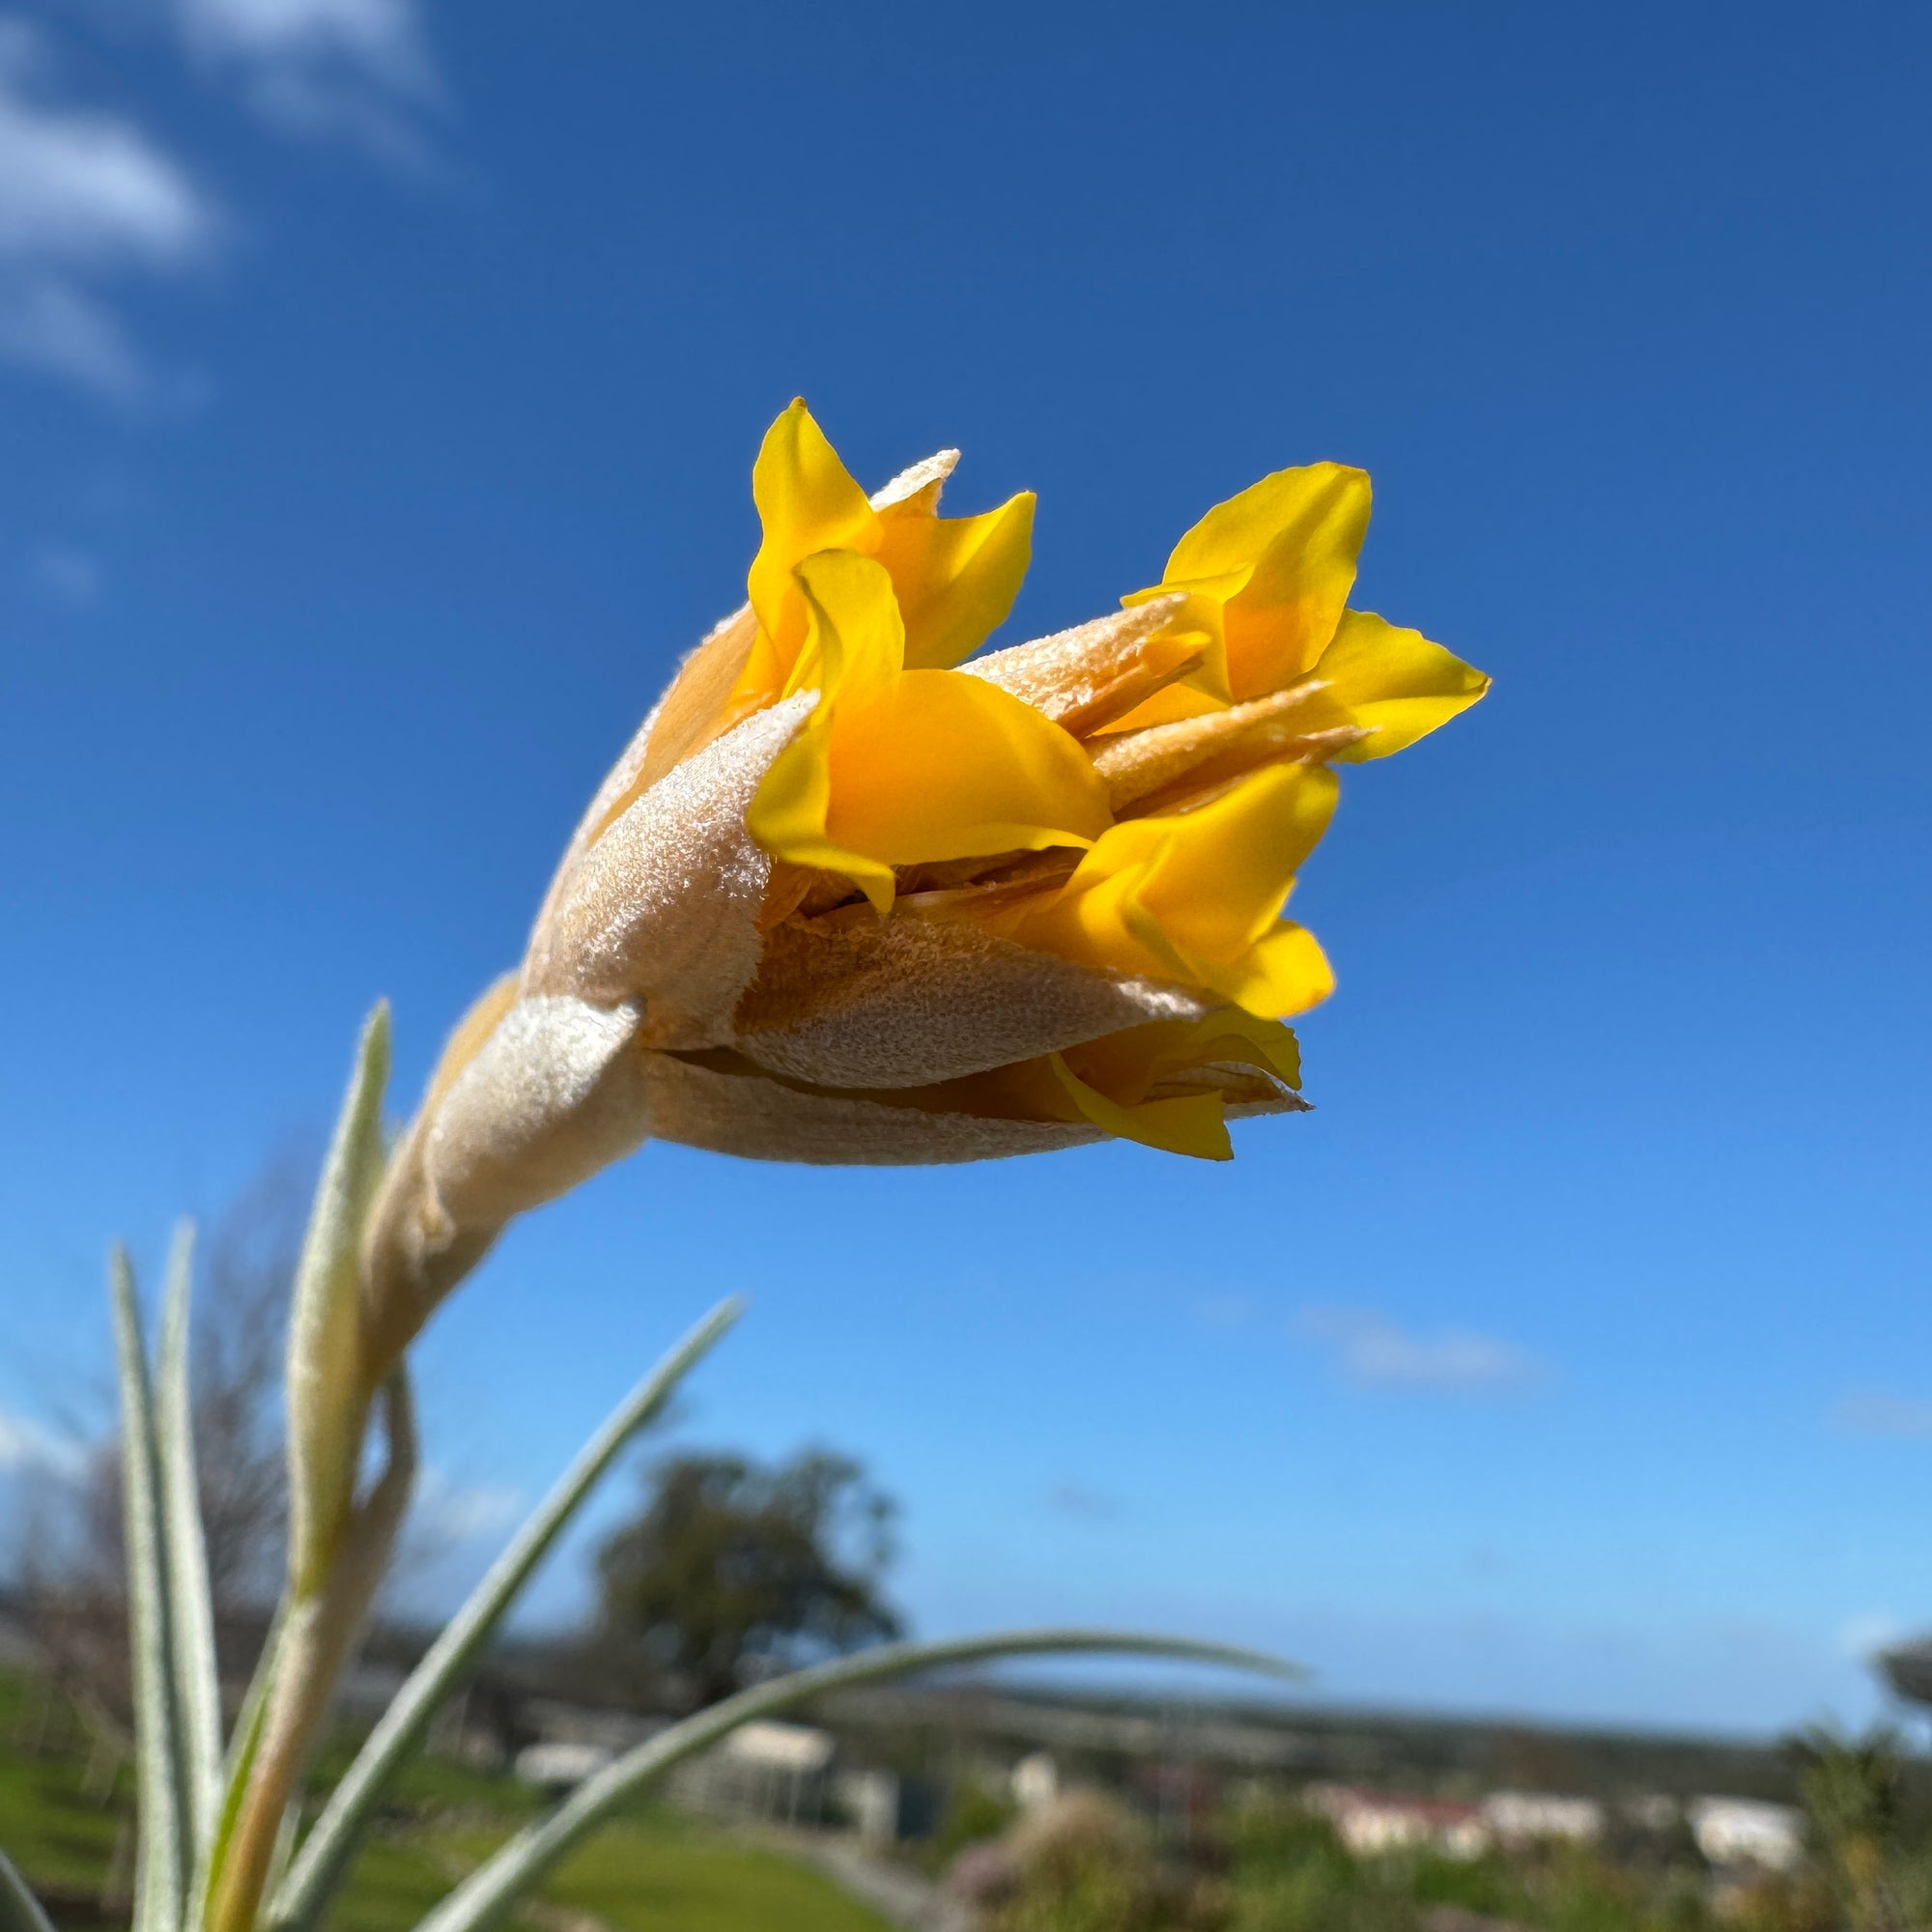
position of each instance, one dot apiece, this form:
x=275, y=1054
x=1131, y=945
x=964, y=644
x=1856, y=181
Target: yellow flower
x=902, y=767
x=841, y=901
x=1267, y=576
x=955, y=578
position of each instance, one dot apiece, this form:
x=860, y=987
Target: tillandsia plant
x=850, y=894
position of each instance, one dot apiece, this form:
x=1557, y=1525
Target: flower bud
x=847, y=898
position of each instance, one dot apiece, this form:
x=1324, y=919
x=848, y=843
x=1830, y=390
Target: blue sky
x=378, y=384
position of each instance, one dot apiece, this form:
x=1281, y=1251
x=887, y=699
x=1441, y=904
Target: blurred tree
x=734, y=1569
x=72, y=1571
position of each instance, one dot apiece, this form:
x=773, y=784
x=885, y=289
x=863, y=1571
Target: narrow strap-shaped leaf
x=333, y=1842
x=327, y=1415
x=197, y=1687
x=494, y=1886
x=19, y=1909
x=165, y=1853
x=328, y=1397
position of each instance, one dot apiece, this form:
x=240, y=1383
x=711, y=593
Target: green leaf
x=197, y=1685
x=161, y=1780
x=19, y=1909
x=495, y=1886
x=325, y=1854
x=327, y=1398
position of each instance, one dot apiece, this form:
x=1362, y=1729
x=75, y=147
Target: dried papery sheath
x=849, y=897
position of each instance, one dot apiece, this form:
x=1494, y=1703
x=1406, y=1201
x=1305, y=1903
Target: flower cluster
x=854, y=894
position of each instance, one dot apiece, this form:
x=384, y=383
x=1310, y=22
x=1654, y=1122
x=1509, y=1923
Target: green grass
x=61, y=1836
x=650, y=1872
x=393, y=1885
x=661, y=1872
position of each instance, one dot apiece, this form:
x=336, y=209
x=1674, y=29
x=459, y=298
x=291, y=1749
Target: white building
x=1747, y=1831
x=871, y=1799
x=1542, y=1817
x=1373, y=1824
x=561, y=1764
x=1036, y=1782
x=763, y=1769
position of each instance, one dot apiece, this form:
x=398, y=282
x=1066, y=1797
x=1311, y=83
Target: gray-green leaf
x=495, y=1886
x=333, y=1842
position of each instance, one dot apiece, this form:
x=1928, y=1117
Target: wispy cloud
x=85, y=199
x=26, y=1446
x=1893, y=1415
x=67, y=576
x=453, y=1512
x=357, y=70
x=1376, y=1352
x=1079, y=1503
x=1864, y=1635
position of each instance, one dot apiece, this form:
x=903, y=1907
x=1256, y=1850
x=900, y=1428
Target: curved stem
x=317, y=1635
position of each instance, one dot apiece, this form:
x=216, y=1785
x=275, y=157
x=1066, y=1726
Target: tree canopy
x=735, y=1568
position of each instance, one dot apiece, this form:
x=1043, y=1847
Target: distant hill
x=1397, y=1749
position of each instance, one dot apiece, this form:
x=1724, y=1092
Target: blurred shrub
x=973, y=1814
x=1083, y=1864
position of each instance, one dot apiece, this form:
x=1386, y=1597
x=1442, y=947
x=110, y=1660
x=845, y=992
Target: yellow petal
x=1193, y=897
x=1284, y=972
x=900, y=768
x=1199, y=618
x=807, y=501
x=941, y=766
x=1189, y=1124
x=1170, y=706
x=1280, y=559
x=1131, y=1064
x=853, y=642
x=1217, y=877
x=956, y=577
x=1166, y=1084
x=1394, y=683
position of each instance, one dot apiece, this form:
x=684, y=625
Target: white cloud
x=453, y=1512
x=1373, y=1351
x=54, y=328
x=357, y=71
x=1862, y=1637
x=85, y=196
x=1892, y=1415
x=68, y=576
x=26, y=1446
